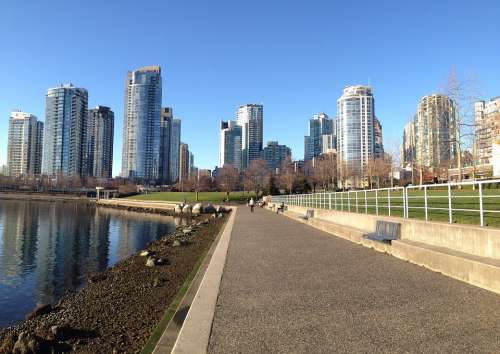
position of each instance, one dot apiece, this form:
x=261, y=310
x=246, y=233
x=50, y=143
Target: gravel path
x=288, y=287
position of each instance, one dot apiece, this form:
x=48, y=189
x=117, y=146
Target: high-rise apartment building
x=100, y=142
x=175, y=144
x=378, y=145
x=23, y=154
x=39, y=147
x=141, y=124
x=166, y=117
x=185, y=164
x=65, y=132
x=487, y=118
x=409, y=146
x=274, y=154
x=321, y=132
x=230, y=144
x=355, y=128
x=251, y=119
x=435, y=131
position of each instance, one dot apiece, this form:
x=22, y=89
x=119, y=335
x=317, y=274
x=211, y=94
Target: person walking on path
x=251, y=203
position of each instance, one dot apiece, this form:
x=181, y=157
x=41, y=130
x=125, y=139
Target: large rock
x=178, y=209
x=221, y=209
x=176, y=243
x=186, y=209
x=197, y=208
x=40, y=310
x=209, y=209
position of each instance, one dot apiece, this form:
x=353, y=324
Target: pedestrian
x=251, y=203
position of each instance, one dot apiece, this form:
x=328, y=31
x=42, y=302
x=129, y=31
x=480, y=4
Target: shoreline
x=42, y=197
x=118, y=309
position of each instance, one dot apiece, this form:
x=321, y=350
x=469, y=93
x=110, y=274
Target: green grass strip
x=170, y=312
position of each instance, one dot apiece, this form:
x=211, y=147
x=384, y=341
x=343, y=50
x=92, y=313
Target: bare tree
x=256, y=176
x=325, y=171
x=287, y=175
x=227, y=180
x=464, y=94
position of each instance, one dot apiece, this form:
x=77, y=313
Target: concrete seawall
x=463, y=252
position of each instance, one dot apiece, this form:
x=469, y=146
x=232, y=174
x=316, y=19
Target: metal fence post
x=376, y=202
x=342, y=200
x=366, y=204
x=389, y=201
x=330, y=201
x=348, y=201
x=449, y=203
x=425, y=198
x=356, y=201
x=481, y=213
x=335, y=201
x=404, y=203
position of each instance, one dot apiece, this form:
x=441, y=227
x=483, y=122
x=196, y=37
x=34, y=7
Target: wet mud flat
x=118, y=309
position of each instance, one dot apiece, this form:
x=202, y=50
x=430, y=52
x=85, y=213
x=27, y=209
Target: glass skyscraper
x=320, y=130
x=100, y=142
x=230, y=144
x=355, y=128
x=251, y=119
x=23, y=152
x=141, y=124
x=65, y=133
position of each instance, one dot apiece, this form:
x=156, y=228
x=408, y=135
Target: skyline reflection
x=47, y=248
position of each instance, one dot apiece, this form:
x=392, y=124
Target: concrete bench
x=309, y=214
x=385, y=231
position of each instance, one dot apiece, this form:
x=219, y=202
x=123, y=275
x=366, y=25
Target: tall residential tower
x=355, y=128
x=230, y=144
x=65, y=133
x=100, y=142
x=141, y=124
x=251, y=119
x=23, y=152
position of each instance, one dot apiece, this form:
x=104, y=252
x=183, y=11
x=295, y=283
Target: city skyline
x=203, y=90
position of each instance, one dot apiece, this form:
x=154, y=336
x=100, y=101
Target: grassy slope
x=466, y=199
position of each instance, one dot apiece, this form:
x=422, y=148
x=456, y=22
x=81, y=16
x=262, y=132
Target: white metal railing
x=470, y=202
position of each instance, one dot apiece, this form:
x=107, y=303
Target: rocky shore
x=119, y=308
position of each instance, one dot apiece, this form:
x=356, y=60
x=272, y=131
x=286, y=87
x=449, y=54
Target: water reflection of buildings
x=58, y=244
x=19, y=239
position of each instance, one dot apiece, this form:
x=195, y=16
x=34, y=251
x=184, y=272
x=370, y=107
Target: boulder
x=176, y=243
x=40, y=310
x=187, y=230
x=178, y=209
x=197, y=208
x=209, y=209
x=186, y=209
x=221, y=209
x=144, y=253
x=150, y=262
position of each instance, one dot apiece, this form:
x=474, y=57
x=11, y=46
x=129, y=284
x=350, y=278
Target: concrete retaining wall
x=474, y=240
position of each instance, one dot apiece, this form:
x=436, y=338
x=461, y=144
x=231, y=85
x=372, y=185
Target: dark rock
x=96, y=278
x=40, y=310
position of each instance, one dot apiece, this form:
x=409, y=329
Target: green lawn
x=465, y=199
x=215, y=197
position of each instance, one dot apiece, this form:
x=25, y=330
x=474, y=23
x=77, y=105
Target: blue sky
x=295, y=57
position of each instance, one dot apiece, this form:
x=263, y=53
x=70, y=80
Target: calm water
x=48, y=248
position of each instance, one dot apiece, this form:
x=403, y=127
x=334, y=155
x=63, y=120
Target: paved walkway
x=290, y=288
